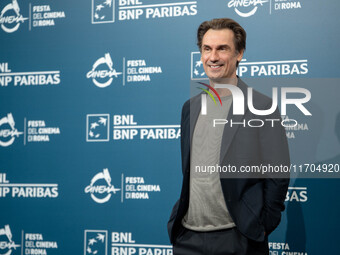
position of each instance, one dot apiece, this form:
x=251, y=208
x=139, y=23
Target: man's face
x=219, y=55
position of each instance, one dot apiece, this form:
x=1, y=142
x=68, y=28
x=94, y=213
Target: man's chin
x=223, y=80
x=214, y=77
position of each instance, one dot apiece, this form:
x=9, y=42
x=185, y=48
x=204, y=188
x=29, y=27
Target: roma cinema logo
x=10, y=17
x=246, y=4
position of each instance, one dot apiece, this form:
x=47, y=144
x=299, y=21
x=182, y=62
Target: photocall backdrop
x=90, y=101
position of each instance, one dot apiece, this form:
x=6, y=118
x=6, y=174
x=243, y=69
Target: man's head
x=221, y=43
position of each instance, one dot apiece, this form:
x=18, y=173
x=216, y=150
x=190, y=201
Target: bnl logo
x=97, y=127
x=239, y=100
x=103, y=11
x=95, y=242
x=197, y=70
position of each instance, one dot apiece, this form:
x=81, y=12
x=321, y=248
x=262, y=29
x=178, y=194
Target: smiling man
x=219, y=54
x=224, y=213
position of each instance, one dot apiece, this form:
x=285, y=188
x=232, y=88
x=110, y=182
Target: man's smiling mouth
x=215, y=66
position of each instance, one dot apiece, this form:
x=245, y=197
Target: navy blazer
x=255, y=204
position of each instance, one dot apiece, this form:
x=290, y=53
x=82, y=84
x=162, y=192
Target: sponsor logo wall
x=126, y=128
x=245, y=8
x=280, y=68
x=106, y=11
x=96, y=242
x=16, y=14
x=133, y=71
x=90, y=109
x=27, y=190
x=131, y=188
x=31, y=243
x=33, y=131
x=22, y=79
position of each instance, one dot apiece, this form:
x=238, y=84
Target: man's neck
x=223, y=92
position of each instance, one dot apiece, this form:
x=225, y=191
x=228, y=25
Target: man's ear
x=240, y=56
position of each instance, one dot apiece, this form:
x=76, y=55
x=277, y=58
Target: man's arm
x=274, y=151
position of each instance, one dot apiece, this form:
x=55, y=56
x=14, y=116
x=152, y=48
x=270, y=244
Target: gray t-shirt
x=207, y=209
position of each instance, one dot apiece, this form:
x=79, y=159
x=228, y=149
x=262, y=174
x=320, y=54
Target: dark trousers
x=221, y=242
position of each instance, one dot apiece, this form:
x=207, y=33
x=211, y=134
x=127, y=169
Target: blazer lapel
x=230, y=131
x=195, y=109
x=189, y=126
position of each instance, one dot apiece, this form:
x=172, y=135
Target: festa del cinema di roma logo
x=249, y=7
x=8, y=245
x=103, y=77
x=7, y=136
x=10, y=17
x=101, y=189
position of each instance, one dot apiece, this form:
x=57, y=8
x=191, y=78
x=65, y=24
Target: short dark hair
x=225, y=23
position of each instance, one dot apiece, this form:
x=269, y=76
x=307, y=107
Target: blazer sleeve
x=274, y=152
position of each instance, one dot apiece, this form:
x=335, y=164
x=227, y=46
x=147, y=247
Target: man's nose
x=214, y=56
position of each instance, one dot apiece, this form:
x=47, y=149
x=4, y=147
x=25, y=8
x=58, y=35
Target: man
x=221, y=213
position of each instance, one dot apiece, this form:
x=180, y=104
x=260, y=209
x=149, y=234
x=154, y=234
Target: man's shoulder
x=195, y=100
